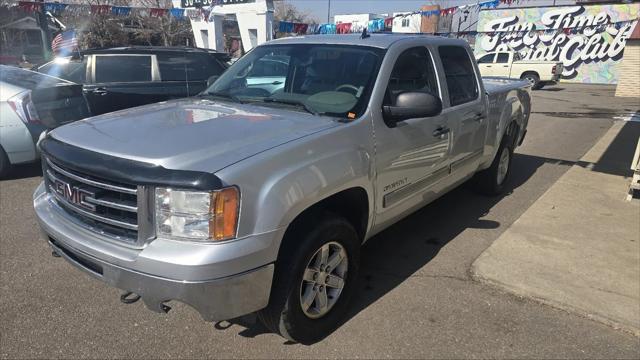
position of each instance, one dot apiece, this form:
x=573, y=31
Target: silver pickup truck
x=258, y=199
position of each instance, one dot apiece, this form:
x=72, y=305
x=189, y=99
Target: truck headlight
x=197, y=215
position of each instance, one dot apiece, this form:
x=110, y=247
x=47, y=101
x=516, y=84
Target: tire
x=285, y=314
x=5, y=165
x=533, y=79
x=492, y=181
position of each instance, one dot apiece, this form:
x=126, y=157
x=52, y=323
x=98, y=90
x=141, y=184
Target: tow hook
x=55, y=254
x=126, y=298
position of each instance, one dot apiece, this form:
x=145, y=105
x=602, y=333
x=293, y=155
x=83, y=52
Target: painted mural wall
x=589, y=40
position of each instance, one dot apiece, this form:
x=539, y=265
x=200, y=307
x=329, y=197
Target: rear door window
x=122, y=68
x=188, y=66
x=503, y=58
x=460, y=75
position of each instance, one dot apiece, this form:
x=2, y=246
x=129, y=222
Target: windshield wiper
x=223, y=95
x=301, y=104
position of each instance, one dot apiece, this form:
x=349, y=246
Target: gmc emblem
x=74, y=195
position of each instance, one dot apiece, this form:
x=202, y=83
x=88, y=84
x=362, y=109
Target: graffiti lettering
x=574, y=35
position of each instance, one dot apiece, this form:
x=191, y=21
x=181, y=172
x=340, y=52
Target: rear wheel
x=492, y=181
x=5, y=165
x=314, y=280
x=533, y=79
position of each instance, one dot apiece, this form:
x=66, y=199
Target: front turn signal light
x=225, y=208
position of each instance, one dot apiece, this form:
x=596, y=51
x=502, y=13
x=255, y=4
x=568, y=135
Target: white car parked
x=510, y=65
x=31, y=103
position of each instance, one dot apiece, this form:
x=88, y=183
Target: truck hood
x=191, y=134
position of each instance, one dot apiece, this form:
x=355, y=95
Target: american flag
x=65, y=42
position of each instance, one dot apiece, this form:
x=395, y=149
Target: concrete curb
x=557, y=264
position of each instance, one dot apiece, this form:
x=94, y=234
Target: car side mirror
x=212, y=79
x=411, y=105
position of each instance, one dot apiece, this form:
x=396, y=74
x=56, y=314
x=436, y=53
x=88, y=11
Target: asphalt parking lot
x=416, y=298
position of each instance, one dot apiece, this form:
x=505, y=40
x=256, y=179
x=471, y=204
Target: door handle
x=505, y=65
x=478, y=117
x=100, y=91
x=441, y=131
x=488, y=65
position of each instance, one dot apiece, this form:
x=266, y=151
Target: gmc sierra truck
x=245, y=199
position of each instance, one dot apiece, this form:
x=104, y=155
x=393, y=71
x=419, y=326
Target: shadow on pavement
x=24, y=171
x=553, y=89
x=616, y=160
x=398, y=252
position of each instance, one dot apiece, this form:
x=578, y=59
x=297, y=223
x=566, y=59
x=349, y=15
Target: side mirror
x=212, y=79
x=410, y=105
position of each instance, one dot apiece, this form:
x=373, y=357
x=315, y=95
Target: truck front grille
x=105, y=206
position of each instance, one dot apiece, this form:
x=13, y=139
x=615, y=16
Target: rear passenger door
x=120, y=81
x=464, y=108
x=503, y=65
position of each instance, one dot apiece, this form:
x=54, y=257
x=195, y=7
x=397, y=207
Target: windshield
x=322, y=79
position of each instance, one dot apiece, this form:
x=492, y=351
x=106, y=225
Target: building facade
x=407, y=22
x=358, y=21
x=589, y=40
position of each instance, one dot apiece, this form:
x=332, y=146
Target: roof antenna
x=365, y=34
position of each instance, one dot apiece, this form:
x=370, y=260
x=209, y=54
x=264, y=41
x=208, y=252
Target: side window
x=202, y=66
x=122, y=68
x=503, y=58
x=487, y=59
x=173, y=67
x=270, y=67
x=413, y=71
x=180, y=66
x=458, y=70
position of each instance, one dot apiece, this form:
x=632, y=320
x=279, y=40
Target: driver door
x=486, y=65
x=413, y=157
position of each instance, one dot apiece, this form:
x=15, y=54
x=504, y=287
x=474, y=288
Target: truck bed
x=493, y=85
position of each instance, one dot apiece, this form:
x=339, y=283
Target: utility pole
x=46, y=34
x=329, y=13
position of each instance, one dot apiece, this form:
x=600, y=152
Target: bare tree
x=285, y=11
x=162, y=30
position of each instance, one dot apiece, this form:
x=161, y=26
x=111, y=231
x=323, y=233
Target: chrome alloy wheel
x=503, y=165
x=323, y=280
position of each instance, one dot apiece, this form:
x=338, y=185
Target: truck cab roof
x=383, y=41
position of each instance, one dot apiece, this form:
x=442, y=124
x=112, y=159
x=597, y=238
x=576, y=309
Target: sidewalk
x=578, y=246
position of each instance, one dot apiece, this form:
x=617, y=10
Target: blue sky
x=318, y=8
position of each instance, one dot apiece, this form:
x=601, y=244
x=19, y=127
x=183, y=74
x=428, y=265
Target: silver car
x=31, y=103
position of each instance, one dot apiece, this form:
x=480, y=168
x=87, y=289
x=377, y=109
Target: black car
x=120, y=78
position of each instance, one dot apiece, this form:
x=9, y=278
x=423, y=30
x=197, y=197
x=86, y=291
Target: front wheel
x=314, y=280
